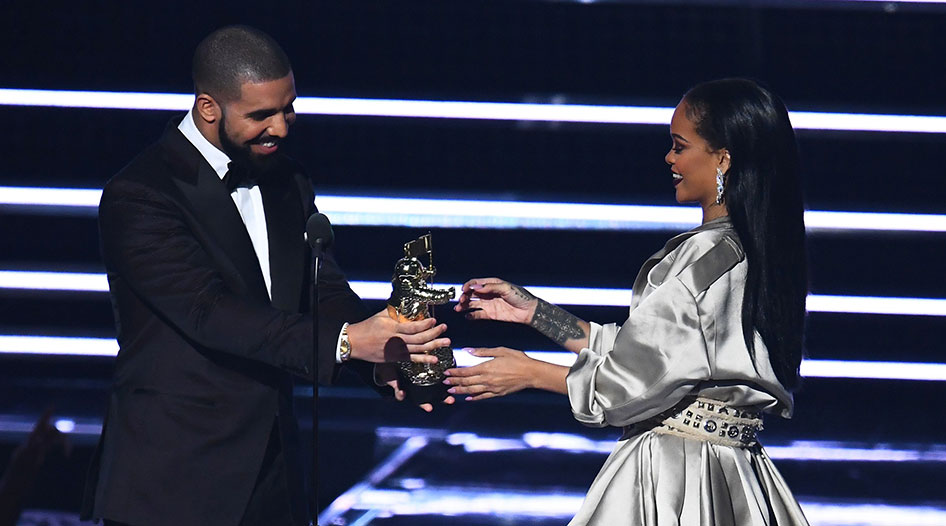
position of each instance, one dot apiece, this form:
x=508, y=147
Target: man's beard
x=241, y=153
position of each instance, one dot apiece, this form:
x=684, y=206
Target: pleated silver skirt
x=653, y=479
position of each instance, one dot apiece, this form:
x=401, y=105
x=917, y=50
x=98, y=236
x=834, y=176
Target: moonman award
x=412, y=299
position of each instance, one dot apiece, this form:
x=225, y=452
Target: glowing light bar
x=849, y=514
x=504, y=111
x=564, y=358
x=58, y=346
x=601, y=297
x=437, y=501
x=931, y=372
x=835, y=452
x=53, y=281
x=802, y=450
x=584, y=113
x=115, y=100
x=468, y=213
x=823, y=220
x=57, y=197
x=471, y=213
x=876, y=305
x=76, y=346
x=505, y=503
x=17, y=424
x=935, y=372
x=897, y=1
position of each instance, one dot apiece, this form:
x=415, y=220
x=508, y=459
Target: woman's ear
x=725, y=160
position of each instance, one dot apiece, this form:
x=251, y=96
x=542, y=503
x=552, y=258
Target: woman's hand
x=508, y=371
x=495, y=299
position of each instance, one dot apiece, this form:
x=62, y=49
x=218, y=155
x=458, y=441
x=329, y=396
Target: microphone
x=318, y=232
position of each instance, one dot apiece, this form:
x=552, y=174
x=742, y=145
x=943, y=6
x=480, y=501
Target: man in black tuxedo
x=202, y=237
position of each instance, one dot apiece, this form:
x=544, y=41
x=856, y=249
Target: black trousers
x=269, y=503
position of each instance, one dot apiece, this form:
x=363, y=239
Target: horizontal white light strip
x=116, y=100
x=896, y=1
x=874, y=370
x=466, y=110
x=16, y=424
x=58, y=197
x=449, y=501
x=834, y=452
x=823, y=220
x=58, y=345
x=932, y=372
x=57, y=281
x=602, y=297
x=876, y=305
x=75, y=346
x=801, y=450
x=470, y=213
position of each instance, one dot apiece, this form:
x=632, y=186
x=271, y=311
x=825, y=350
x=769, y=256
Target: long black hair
x=763, y=195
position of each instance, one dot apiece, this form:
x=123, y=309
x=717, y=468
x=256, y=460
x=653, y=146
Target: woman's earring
x=719, y=186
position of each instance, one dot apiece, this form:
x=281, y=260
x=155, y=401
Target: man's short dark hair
x=234, y=55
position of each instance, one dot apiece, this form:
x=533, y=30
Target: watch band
x=344, y=345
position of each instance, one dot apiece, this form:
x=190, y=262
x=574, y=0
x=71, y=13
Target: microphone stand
x=319, y=235
x=314, y=310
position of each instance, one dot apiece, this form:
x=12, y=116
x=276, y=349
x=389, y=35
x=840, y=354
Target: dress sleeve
x=601, y=339
x=657, y=357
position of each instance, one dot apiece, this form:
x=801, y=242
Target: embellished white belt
x=710, y=421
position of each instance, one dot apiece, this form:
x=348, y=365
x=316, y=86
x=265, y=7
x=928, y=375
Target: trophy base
x=422, y=394
x=423, y=384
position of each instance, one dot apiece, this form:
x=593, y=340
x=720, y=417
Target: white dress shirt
x=249, y=203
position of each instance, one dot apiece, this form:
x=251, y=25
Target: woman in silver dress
x=713, y=339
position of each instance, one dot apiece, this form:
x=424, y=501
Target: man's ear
x=725, y=160
x=208, y=110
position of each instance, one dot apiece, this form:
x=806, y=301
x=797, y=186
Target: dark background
x=818, y=56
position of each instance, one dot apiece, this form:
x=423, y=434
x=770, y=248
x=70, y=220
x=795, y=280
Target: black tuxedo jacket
x=206, y=361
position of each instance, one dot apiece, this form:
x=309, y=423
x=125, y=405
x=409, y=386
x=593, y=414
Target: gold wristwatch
x=344, y=345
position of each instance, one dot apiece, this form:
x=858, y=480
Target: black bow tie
x=238, y=176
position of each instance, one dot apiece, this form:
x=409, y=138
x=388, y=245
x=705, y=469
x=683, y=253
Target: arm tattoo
x=556, y=323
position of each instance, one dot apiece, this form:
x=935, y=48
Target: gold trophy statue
x=411, y=300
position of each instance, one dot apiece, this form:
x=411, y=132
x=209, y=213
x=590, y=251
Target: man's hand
x=382, y=339
x=386, y=373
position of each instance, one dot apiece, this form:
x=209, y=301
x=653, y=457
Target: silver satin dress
x=683, y=338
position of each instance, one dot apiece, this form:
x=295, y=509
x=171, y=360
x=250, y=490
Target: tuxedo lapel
x=213, y=208
x=287, y=249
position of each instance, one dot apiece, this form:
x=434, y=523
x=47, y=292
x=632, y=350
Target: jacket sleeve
x=338, y=303
x=148, y=244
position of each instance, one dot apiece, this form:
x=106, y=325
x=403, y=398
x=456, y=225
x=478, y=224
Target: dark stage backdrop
x=819, y=56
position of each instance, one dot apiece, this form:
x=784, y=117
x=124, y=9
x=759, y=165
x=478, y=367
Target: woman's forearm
x=550, y=377
x=562, y=327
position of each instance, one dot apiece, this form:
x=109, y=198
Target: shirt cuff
x=338, y=344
